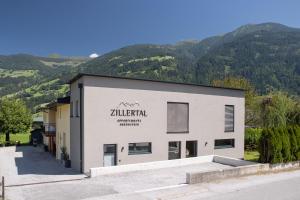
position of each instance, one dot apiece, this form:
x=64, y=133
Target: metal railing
x=50, y=127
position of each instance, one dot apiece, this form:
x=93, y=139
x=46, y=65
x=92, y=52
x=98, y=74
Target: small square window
x=139, y=148
x=224, y=143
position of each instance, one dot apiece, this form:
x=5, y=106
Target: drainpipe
x=80, y=86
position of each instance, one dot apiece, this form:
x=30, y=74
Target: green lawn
x=252, y=156
x=23, y=138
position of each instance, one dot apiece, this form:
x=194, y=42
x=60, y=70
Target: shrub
x=294, y=143
x=279, y=145
x=264, y=146
x=252, y=136
x=286, y=145
x=297, y=135
x=276, y=146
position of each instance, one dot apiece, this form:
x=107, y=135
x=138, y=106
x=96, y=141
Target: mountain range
x=267, y=54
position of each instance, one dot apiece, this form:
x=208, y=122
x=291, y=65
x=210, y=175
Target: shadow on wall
x=33, y=160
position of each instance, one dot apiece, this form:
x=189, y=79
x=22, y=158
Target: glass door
x=110, y=155
x=191, y=149
x=174, y=150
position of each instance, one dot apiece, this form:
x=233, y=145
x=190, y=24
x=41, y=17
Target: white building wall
x=206, y=119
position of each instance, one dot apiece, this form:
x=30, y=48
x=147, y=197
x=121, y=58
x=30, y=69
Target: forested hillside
x=268, y=55
x=36, y=80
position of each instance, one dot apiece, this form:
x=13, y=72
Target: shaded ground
x=27, y=164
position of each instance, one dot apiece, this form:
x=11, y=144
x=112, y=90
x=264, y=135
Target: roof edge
x=78, y=76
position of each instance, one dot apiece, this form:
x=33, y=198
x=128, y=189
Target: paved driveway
x=46, y=179
x=27, y=165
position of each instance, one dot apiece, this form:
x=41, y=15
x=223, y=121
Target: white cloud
x=93, y=55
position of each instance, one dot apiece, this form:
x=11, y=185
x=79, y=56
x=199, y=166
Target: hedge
x=252, y=136
x=278, y=145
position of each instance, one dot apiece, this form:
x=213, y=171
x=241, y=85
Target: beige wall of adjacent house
x=206, y=119
x=62, y=128
x=49, y=116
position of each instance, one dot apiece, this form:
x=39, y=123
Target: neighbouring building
x=117, y=121
x=57, y=126
x=62, y=126
x=49, y=134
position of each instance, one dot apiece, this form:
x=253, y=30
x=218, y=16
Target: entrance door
x=174, y=150
x=110, y=155
x=191, y=149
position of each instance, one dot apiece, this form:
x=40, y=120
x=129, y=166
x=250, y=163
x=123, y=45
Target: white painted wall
x=206, y=119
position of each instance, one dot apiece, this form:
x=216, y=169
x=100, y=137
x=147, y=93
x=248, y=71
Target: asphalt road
x=278, y=190
x=279, y=186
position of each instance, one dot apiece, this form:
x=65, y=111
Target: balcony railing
x=50, y=128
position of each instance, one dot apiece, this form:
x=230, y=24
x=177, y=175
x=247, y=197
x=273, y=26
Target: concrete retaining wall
x=285, y=166
x=241, y=168
x=149, y=165
x=208, y=176
x=231, y=161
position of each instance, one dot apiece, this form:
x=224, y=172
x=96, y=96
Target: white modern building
x=117, y=121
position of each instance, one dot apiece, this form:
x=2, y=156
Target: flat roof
x=78, y=76
x=64, y=100
x=53, y=104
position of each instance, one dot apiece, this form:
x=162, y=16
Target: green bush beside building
x=278, y=145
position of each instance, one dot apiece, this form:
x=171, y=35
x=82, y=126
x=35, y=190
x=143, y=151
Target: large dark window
x=224, y=143
x=229, y=118
x=139, y=148
x=178, y=117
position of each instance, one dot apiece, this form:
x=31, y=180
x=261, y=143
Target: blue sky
x=82, y=27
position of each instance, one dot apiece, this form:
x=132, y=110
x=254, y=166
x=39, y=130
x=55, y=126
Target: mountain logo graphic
x=126, y=104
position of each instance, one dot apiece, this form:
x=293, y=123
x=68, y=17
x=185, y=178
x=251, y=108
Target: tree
x=294, y=115
x=14, y=117
x=250, y=94
x=276, y=109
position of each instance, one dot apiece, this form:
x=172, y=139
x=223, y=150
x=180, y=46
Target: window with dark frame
x=139, y=148
x=174, y=151
x=224, y=143
x=229, y=118
x=191, y=148
x=177, y=117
